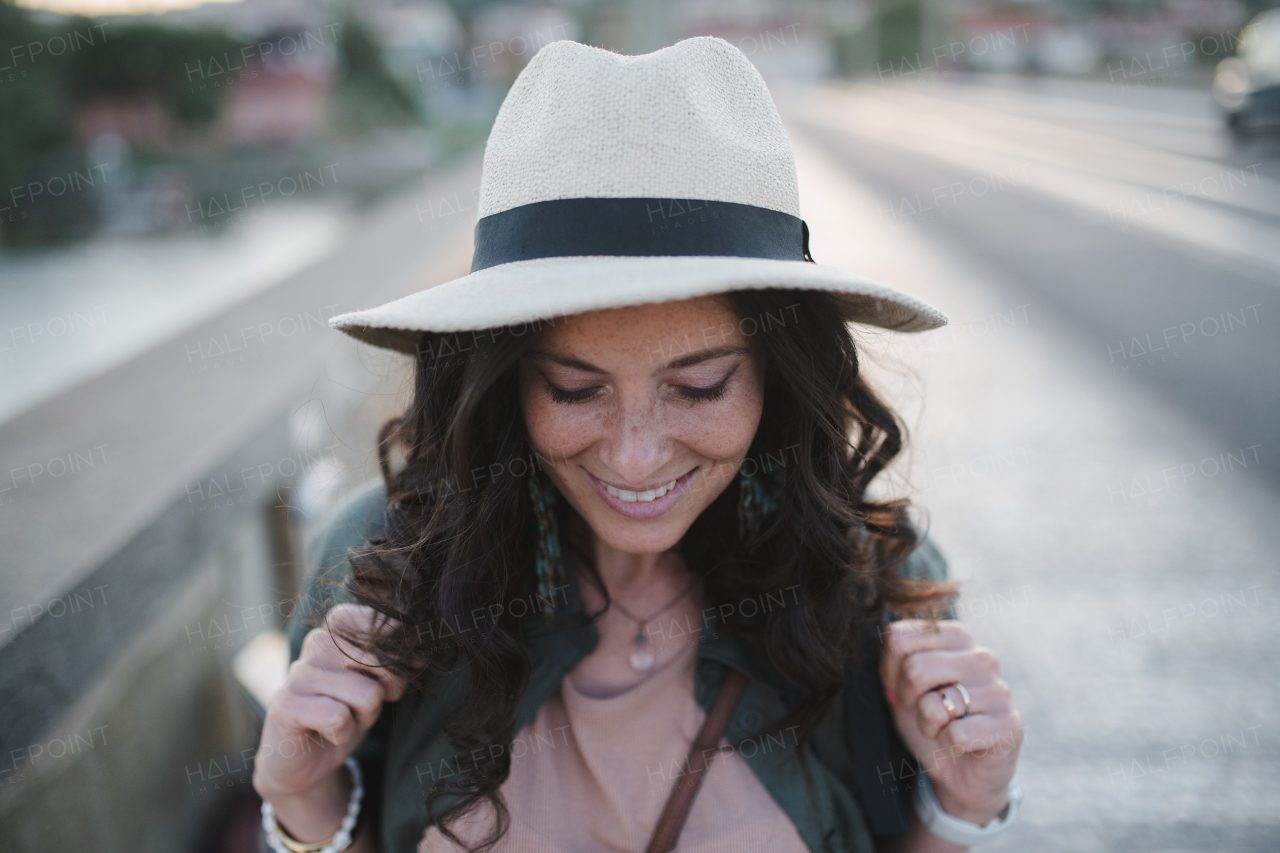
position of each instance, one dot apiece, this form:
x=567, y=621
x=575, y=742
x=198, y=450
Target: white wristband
x=341, y=839
x=953, y=829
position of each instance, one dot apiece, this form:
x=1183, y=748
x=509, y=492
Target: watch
x=955, y=830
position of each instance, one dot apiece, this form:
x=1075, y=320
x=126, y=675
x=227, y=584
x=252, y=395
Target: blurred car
x=1247, y=85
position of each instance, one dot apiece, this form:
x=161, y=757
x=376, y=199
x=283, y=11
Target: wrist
x=310, y=815
x=980, y=811
x=960, y=831
x=314, y=813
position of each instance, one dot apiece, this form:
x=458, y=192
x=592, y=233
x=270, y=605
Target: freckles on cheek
x=559, y=434
x=727, y=437
x=725, y=431
x=736, y=443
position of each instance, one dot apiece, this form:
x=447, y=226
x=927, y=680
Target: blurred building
x=277, y=89
x=1176, y=38
x=251, y=19
x=139, y=119
x=282, y=97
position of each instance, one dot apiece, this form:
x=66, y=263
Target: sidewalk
x=1119, y=560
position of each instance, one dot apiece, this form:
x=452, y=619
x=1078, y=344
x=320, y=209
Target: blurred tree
x=146, y=59
x=35, y=130
x=32, y=99
x=40, y=92
x=368, y=94
x=898, y=32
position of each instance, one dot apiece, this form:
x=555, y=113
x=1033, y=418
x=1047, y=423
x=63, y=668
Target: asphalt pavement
x=1166, y=263
x=1095, y=458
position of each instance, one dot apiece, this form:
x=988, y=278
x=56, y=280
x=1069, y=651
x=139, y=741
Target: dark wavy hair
x=457, y=539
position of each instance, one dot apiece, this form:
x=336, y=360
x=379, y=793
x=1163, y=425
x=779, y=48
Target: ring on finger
x=964, y=694
x=946, y=701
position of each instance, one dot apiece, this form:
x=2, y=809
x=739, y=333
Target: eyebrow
x=565, y=361
x=706, y=355
x=687, y=361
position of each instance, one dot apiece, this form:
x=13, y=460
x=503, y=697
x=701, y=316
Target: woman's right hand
x=331, y=697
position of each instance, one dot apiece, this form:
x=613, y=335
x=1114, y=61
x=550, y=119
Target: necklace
x=641, y=655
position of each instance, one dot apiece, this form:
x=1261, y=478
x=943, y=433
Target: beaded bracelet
x=938, y=823
x=279, y=841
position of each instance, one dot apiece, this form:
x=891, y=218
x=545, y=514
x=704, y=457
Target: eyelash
x=697, y=395
x=560, y=395
x=704, y=395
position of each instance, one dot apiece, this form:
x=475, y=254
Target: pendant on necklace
x=641, y=654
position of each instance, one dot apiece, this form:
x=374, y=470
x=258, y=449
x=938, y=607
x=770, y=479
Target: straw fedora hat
x=616, y=180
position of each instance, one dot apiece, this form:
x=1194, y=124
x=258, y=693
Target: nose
x=636, y=446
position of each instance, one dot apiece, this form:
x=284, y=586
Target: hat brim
x=523, y=292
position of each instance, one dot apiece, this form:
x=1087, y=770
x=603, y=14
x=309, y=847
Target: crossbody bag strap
x=704, y=748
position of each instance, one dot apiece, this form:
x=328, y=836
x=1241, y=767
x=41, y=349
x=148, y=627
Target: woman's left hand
x=970, y=757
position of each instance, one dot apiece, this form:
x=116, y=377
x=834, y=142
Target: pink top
x=592, y=774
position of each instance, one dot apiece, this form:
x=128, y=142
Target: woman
x=625, y=587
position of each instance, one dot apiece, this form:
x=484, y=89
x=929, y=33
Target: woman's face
x=642, y=415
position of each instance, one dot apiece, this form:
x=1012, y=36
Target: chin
x=638, y=537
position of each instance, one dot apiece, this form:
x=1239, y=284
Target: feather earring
x=548, y=561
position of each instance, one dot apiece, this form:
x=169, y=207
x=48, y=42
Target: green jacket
x=407, y=752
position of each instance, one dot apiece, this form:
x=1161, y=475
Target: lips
x=648, y=502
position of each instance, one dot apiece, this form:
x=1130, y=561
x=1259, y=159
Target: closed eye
x=579, y=395
x=704, y=394
x=694, y=393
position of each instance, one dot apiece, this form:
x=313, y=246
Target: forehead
x=656, y=332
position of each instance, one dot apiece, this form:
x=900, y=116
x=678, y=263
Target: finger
x=330, y=719
x=393, y=686
x=981, y=735
x=362, y=694
x=331, y=646
x=932, y=714
x=924, y=671
x=326, y=647
x=352, y=627
x=359, y=619
x=908, y=636
x=334, y=654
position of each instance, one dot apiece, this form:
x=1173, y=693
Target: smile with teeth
x=642, y=497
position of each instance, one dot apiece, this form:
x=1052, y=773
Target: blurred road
x=84, y=308
x=1126, y=211
x=1110, y=512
